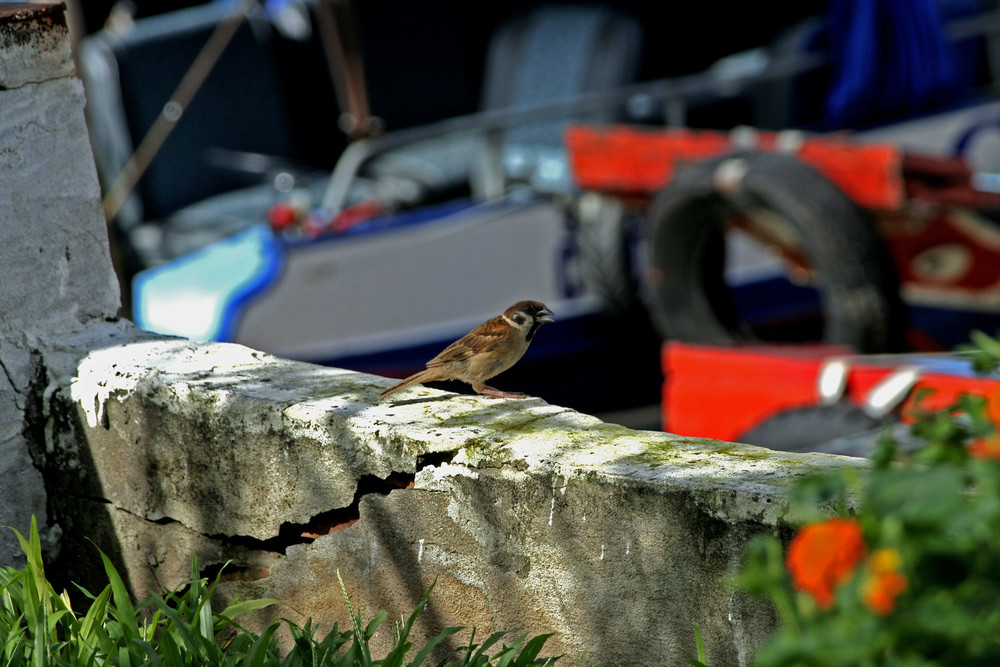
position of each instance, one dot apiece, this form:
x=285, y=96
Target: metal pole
x=174, y=109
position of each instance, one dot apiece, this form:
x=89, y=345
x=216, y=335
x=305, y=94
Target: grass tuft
x=39, y=628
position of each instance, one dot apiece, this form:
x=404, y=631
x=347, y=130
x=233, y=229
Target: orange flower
x=823, y=555
x=988, y=447
x=883, y=582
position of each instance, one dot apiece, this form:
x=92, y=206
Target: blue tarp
x=890, y=58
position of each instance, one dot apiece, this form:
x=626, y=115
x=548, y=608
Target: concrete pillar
x=56, y=277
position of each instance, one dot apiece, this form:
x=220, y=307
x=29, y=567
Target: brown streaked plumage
x=486, y=351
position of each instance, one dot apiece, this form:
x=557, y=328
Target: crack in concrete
x=333, y=520
x=162, y=521
x=71, y=76
x=98, y=499
x=434, y=459
x=10, y=380
x=324, y=523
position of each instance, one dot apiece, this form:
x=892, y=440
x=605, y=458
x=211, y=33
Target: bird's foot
x=490, y=392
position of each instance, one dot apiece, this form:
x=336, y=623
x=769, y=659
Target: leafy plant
x=38, y=627
x=908, y=571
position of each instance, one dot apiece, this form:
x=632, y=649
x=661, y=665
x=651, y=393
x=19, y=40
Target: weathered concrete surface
x=55, y=268
x=57, y=264
x=34, y=44
x=528, y=515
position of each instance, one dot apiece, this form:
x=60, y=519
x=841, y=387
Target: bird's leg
x=490, y=392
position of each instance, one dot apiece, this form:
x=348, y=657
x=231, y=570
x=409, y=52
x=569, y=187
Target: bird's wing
x=484, y=338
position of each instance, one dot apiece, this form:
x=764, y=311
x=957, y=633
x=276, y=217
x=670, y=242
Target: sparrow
x=486, y=351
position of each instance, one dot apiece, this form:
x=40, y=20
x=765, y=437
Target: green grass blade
x=197, y=602
x=260, y=650
x=699, y=648
x=986, y=342
x=153, y=626
x=34, y=619
x=434, y=641
x=470, y=647
x=177, y=626
x=488, y=644
x=402, y=647
x=352, y=656
x=507, y=653
x=506, y=657
x=531, y=650
x=13, y=645
x=359, y=652
x=92, y=626
x=237, y=649
x=122, y=609
x=238, y=609
x=206, y=625
x=56, y=618
x=374, y=623
x=396, y=655
x=124, y=659
x=152, y=657
x=167, y=647
x=334, y=640
x=32, y=548
x=38, y=649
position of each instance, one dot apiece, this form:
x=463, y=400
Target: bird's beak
x=545, y=315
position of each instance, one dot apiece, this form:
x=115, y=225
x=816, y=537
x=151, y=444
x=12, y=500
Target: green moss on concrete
x=660, y=454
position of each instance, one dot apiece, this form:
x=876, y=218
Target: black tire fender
x=684, y=289
x=807, y=428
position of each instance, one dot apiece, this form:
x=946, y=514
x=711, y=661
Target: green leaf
x=237, y=609
x=122, y=609
x=359, y=652
x=506, y=657
x=236, y=649
x=532, y=649
x=258, y=653
x=928, y=497
x=401, y=646
x=124, y=659
x=93, y=621
x=374, y=623
x=488, y=644
x=431, y=644
x=32, y=549
x=153, y=658
x=39, y=645
x=168, y=647
x=178, y=625
x=206, y=626
x=987, y=344
x=699, y=646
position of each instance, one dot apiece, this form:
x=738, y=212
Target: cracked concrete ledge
x=528, y=515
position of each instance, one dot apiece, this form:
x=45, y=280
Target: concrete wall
x=529, y=516
x=55, y=275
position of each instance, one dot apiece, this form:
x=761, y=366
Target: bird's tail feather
x=426, y=375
